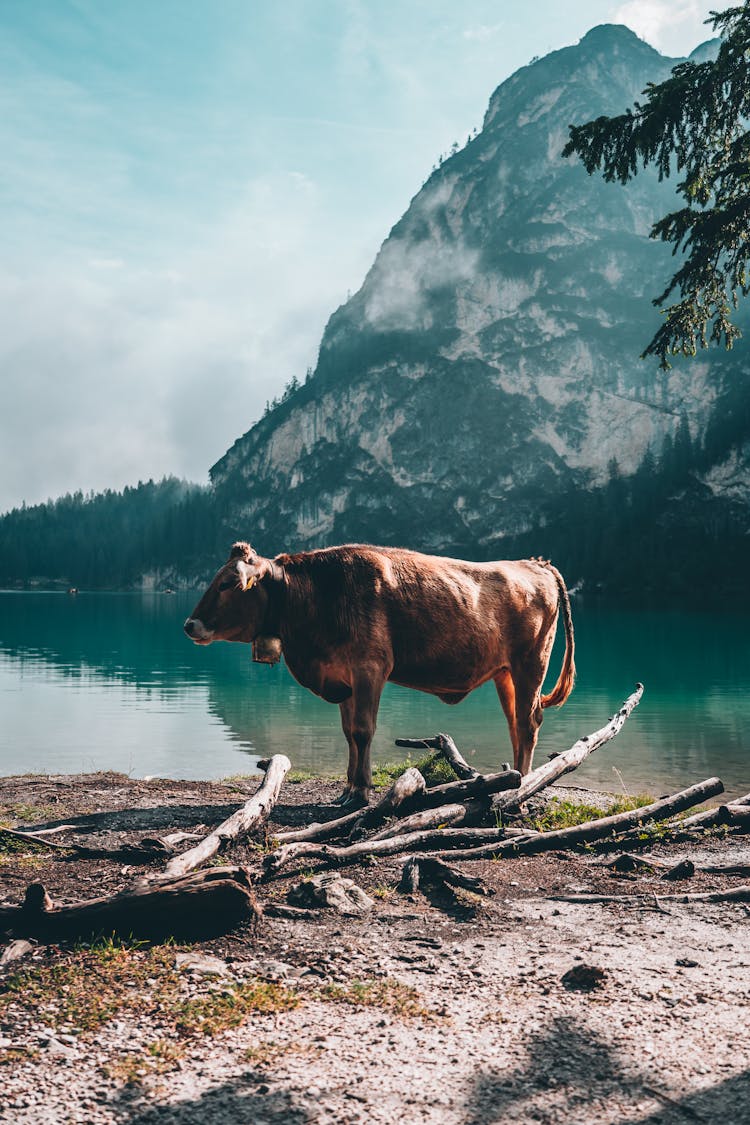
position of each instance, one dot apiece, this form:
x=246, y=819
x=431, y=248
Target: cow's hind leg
x=527, y=681
x=507, y=695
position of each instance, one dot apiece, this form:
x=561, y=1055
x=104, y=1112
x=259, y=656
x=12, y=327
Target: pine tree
x=693, y=124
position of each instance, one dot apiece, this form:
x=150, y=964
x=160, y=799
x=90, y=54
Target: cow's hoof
x=352, y=800
x=343, y=798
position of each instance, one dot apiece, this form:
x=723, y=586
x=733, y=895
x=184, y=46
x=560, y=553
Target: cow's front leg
x=358, y=718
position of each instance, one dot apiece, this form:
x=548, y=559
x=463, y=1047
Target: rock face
x=489, y=362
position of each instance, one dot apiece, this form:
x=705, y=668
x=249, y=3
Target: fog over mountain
x=490, y=361
x=481, y=394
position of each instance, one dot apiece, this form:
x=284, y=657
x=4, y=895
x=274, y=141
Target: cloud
x=112, y=373
x=674, y=27
x=483, y=31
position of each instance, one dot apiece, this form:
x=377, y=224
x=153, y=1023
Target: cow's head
x=234, y=606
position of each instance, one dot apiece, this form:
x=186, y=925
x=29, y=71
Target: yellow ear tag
x=249, y=584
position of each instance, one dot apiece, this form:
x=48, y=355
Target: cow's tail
x=566, y=679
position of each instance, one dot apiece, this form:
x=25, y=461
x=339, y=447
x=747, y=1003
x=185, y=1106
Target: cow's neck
x=274, y=584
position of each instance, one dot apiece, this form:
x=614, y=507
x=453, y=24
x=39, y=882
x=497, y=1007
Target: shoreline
x=411, y=1011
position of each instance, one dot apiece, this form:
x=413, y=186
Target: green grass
x=89, y=986
x=560, y=813
x=387, y=995
x=434, y=769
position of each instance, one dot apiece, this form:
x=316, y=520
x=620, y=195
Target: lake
x=109, y=681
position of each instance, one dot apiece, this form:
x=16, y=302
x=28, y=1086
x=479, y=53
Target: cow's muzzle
x=197, y=631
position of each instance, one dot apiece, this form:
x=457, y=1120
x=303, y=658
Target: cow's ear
x=242, y=551
x=255, y=571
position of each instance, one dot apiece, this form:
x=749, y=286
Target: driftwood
x=737, y=894
x=709, y=818
x=628, y=862
x=252, y=814
x=421, y=869
x=570, y=759
x=445, y=815
x=392, y=845
x=447, y=749
x=202, y=904
x=405, y=790
x=604, y=826
x=319, y=831
x=734, y=816
x=144, y=852
x=671, y=871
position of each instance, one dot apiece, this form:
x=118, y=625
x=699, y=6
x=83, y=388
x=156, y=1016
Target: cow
x=349, y=619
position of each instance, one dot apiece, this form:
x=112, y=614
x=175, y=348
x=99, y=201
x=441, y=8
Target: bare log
x=734, y=816
x=570, y=759
x=737, y=894
x=405, y=793
x=202, y=904
x=392, y=845
x=627, y=862
x=420, y=821
x=420, y=869
x=250, y=816
x=709, y=817
x=597, y=829
x=320, y=831
x=447, y=749
x=399, y=798
x=479, y=786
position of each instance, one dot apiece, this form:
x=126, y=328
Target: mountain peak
x=605, y=36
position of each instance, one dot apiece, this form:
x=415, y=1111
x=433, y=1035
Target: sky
x=189, y=189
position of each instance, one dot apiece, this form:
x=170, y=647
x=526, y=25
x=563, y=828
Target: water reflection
x=109, y=681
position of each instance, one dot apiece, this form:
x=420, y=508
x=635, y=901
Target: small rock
x=329, y=890
x=584, y=978
x=201, y=964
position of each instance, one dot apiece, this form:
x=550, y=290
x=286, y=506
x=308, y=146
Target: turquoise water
x=108, y=681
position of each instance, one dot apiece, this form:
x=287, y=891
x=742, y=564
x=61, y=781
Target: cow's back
x=440, y=624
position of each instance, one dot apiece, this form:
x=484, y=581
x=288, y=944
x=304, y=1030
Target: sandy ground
x=498, y=1035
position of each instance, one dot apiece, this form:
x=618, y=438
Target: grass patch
x=387, y=995
x=158, y=1057
x=434, y=769
x=220, y=1010
x=13, y=814
x=560, y=813
x=265, y=1056
x=88, y=987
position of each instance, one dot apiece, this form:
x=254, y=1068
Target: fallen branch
x=628, y=862
x=405, y=794
x=202, y=904
x=447, y=749
x=570, y=759
x=734, y=816
x=738, y=894
x=604, y=826
x=322, y=831
x=444, y=815
x=392, y=845
x=426, y=869
x=709, y=817
x=252, y=814
x=399, y=798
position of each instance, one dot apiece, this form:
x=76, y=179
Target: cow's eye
x=229, y=585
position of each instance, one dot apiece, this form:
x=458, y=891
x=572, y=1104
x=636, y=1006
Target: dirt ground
x=415, y=1011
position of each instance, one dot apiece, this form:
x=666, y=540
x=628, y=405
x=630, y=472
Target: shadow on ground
x=574, y=1076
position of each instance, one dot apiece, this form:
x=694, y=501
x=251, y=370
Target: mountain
x=481, y=394
x=487, y=370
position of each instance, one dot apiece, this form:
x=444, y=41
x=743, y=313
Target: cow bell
x=267, y=650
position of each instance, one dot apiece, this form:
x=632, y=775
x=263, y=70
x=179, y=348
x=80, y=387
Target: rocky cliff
x=489, y=363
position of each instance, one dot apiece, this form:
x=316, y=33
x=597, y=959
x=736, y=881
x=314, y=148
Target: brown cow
x=351, y=618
